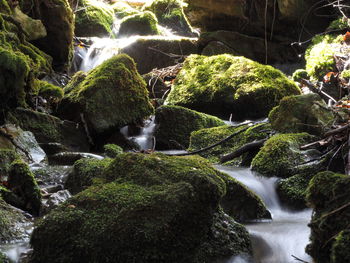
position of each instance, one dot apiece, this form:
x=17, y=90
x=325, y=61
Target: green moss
x=112, y=150
x=85, y=172
x=170, y=13
x=175, y=124
x=319, y=56
x=280, y=155
x=49, y=91
x=305, y=113
x=77, y=78
x=339, y=24
x=112, y=95
x=345, y=74
x=4, y=7
x=138, y=215
x=94, y=18
x=142, y=24
x=226, y=84
x=340, y=248
x=22, y=182
x=122, y=10
x=292, y=191
x=206, y=137
x=7, y=156
x=328, y=195
x=300, y=74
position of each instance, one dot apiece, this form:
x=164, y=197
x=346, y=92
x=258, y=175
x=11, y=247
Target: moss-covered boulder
x=152, y=51
x=137, y=215
x=112, y=95
x=170, y=14
x=175, y=124
x=93, y=19
x=49, y=91
x=328, y=195
x=85, y=171
x=319, y=55
x=280, y=156
x=22, y=182
x=225, y=84
x=142, y=24
x=302, y=113
x=112, y=150
x=292, y=191
x=206, y=137
x=7, y=156
x=50, y=129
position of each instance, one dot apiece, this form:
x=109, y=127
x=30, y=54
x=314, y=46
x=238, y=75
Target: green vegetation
x=176, y=123
x=226, y=84
x=112, y=150
x=122, y=10
x=7, y=156
x=340, y=251
x=300, y=74
x=49, y=91
x=142, y=24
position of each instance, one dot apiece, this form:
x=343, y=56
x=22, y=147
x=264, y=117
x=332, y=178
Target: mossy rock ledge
x=175, y=124
x=328, y=194
x=302, y=113
x=136, y=211
x=224, y=84
x=110, y=96
x=280, y=156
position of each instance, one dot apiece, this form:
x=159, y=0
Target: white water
x=277, y=240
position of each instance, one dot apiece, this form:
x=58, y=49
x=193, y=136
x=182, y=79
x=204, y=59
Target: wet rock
x=83, y=174
x=51, y=175
x=50, y=129
x=142, y=24
x=328, y=196
x=224, y=84
x=153, y=52
x=122, y=9
x=237, y=44
x=281, y=156
x=56, y=199
x=206, y=137
x=23, y=142
x=7, y=156
x=69, y=158
x=170, y=14
x=111, y=96
x=93, y=19
x=175, y=124
x=173, y=194
x=21, y=182
x=303, y=113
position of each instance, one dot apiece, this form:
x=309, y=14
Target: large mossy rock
x=280, y=156
x=206, y=137
x=93, y=19
x=22, y=183
x=328, y=195
x=303, y=113
x=142, y=24
x=175, y=124
x=225, y=84
x=138, y=213
x=110, y=96
x=20, y=64
x=58, y=19
x=170, y=14
x=50, y=129
x=7, y=156
x=152, y=51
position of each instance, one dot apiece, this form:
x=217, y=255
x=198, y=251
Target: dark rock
x=69, y=158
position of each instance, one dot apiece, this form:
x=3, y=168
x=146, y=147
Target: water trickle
x=277, y=240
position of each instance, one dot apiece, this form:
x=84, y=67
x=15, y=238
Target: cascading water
x=275, y=241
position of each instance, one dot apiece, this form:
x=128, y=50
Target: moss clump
x=328, y=195
x=137, y=215
x=49, y=91
x=175, y=124
x=303, y=113
x=300, y=74
x=4, y=7
x=112, y=95
x=292, y=191
x=319, y=56
x=7, y=156
x=280, y=155
x=170, y=13
x=226, y=84
x=112, y=150
x=206, y=137
x=142, y=24
x=340, y=248
x=84, y=172
x=94, y=19
x=22, y=182
x=122, y=10
x=339, y=24
x=345, y=74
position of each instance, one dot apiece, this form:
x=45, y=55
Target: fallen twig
x=299, y=259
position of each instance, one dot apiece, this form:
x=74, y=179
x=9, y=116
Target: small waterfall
x=277, y=240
